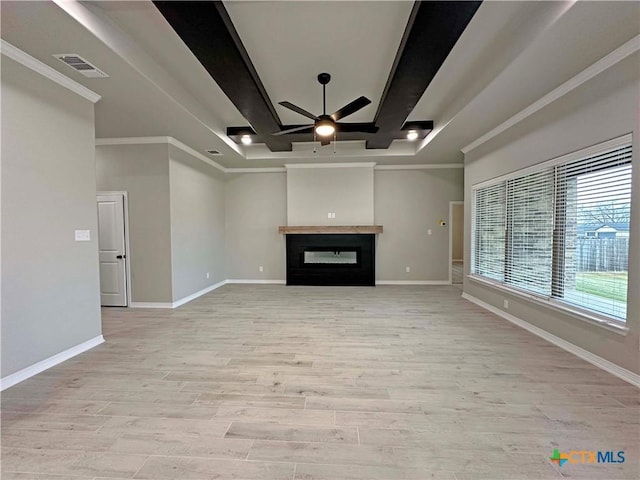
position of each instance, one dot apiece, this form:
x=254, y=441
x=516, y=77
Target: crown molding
x=131, y=140
x=420, y=166
x=255, y=170
x=584, y=76
x=159, y=140
x=195, y=153
x=331, y=165
x=191, y=151
x=46, y=71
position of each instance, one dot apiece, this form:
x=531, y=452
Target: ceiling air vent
x=81, y=65
x=213, y=152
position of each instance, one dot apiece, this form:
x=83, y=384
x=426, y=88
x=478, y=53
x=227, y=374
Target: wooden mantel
x=331, y=229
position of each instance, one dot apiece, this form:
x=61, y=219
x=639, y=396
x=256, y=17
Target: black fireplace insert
x=331, y=259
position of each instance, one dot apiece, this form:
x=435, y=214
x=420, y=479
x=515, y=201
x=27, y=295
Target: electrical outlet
x=329, y=215
x=83, y=235
x=407, y=269
x=260, y=269
x=505, y=303
x=208, y=275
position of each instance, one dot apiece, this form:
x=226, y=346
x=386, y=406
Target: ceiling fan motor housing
x=324, y=78
x=326, y=125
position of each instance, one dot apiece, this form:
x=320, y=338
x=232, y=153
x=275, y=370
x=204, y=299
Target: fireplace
x=345, y=259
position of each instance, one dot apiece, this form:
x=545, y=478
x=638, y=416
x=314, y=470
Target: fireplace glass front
x=330, y=257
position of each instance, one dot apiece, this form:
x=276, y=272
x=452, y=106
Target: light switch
x=429, y=232
x=83, y=235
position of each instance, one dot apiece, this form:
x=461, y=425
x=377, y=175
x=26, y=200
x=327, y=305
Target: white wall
x=143, y=172
x=256, y=205
x=50, y=283
x=197, y=224
x=606, y=107
x=408, y=203
x=345, y=191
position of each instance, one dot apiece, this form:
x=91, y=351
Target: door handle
x=121, y=256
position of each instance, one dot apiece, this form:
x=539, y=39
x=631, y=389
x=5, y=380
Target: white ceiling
x=511, y=54
x=290, y=43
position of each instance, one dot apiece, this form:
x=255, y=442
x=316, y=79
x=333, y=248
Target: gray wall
x=407, y=204
x=256, y=204
x=50, y=283
x=143, y=172
x=197, y=224
x=606, y=107
x=345, y=191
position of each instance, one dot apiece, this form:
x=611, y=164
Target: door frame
x=451, y=204
x=127, y=263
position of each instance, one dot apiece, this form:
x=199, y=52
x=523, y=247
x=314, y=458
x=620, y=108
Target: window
x=489, y=223
x=530, y=232
x=560, y=231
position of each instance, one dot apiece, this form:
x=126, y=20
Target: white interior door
x=111, y=243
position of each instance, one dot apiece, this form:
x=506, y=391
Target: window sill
x=559, y=306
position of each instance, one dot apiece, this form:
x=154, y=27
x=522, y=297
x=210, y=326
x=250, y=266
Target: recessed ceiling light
x=246, y=139
x=412, y=135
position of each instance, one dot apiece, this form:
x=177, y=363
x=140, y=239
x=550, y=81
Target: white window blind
x=530, y=232
x=561, y=232
x=489, y=223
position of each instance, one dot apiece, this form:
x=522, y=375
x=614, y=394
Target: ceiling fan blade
x=325, y=141
x=350, y=108
x=299, y=110
x=357, y=127
x=292, y=130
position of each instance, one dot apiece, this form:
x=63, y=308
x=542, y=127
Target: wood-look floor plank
x=317, y=383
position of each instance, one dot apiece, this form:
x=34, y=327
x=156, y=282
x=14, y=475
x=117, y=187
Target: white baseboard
x=21, y=375
x=602, y=363
x=265, y=282
x=150, y=305
x=413, y=282
x=193, y=296
x=180, y=302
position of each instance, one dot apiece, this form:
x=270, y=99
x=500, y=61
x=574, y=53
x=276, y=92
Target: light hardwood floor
x=274, y=382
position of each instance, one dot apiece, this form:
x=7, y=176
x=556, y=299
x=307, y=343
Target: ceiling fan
x=325, y=125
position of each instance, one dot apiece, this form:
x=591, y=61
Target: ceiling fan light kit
x=327, y=125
